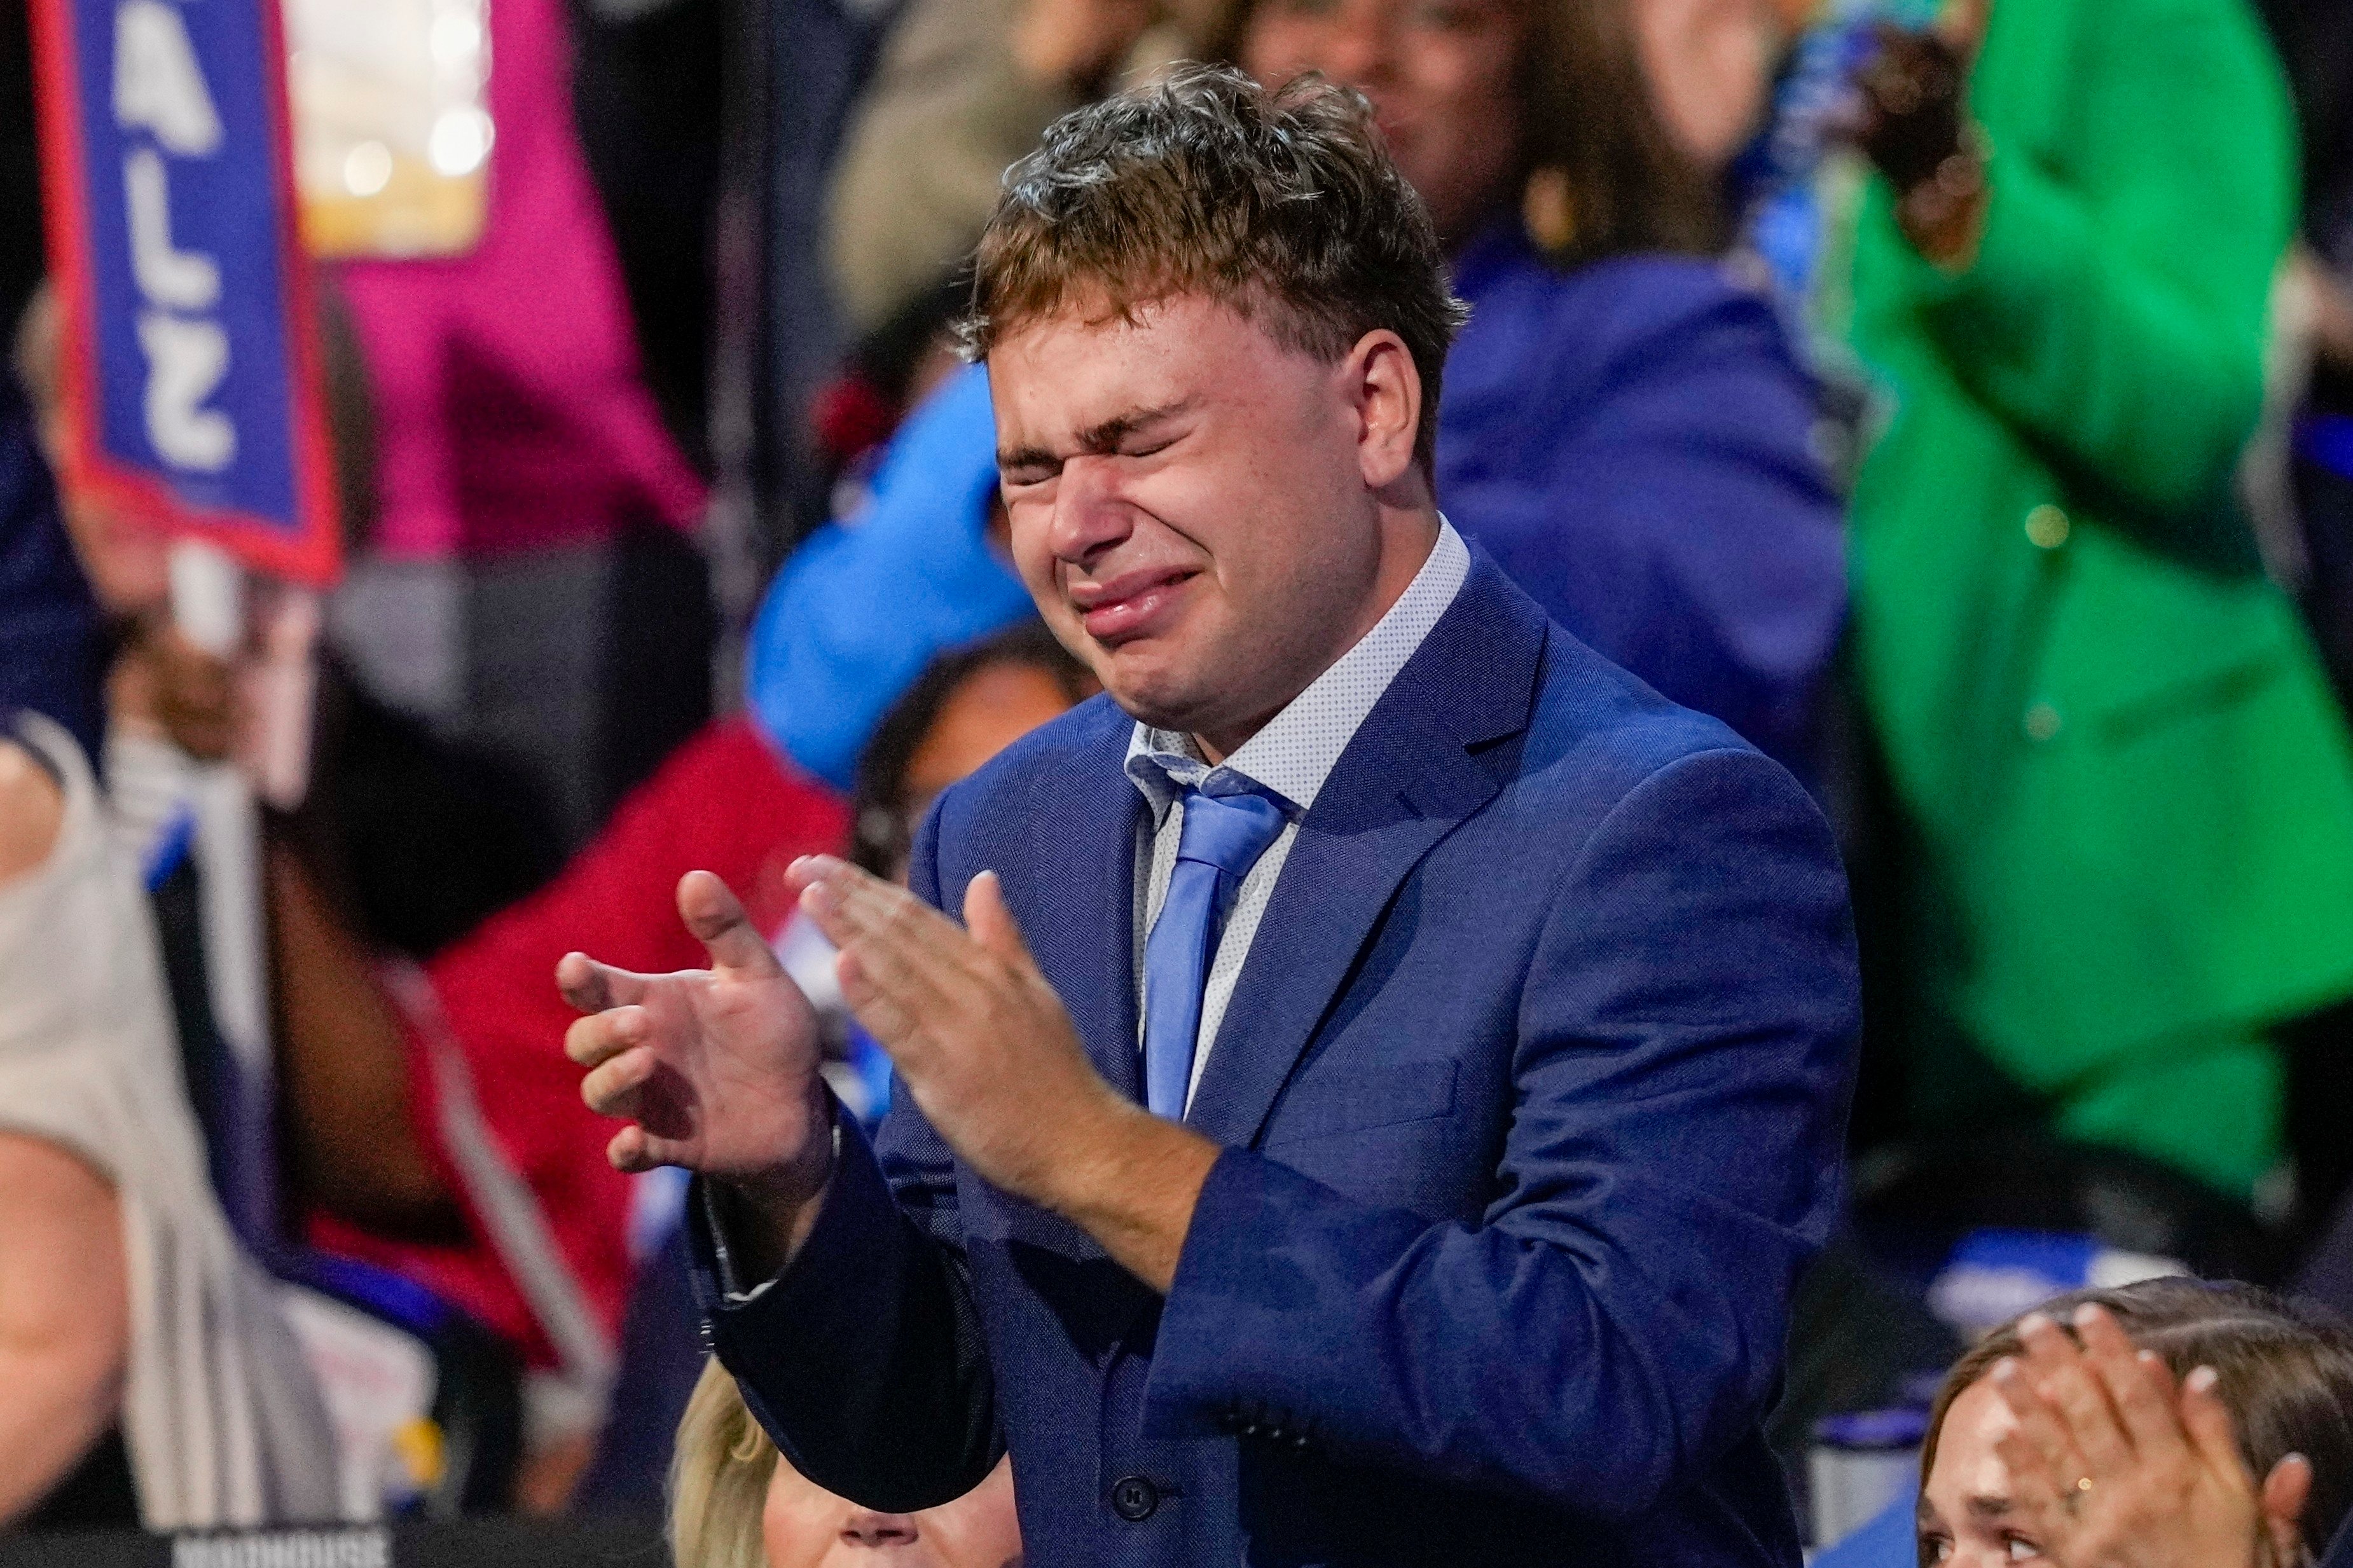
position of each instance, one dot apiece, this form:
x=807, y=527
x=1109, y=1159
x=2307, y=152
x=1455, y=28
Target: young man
x=1393, y=1065
x=1627, y=429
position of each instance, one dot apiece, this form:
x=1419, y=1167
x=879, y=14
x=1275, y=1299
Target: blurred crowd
x=1956, y=399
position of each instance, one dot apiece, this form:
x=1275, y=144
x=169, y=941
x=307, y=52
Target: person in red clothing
x=496, y=1193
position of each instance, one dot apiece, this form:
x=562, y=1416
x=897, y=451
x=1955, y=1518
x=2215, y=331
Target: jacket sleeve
x=2116, y=309
x=949, y=109
x=1616, y=1319
x=864, y=1357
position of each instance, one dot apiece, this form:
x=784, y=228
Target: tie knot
x=1228, y=832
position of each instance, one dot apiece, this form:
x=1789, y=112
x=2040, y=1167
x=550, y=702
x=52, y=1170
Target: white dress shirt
x=1292, y=757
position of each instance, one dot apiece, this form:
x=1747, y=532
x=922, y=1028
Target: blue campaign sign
x=191, y=363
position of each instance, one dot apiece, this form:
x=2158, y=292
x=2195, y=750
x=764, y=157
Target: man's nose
x=1090, y=513
x=867, y=1528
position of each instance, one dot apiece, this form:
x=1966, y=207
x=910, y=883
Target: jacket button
x=2042, y=722
x=1133, y=1498
x=2046, y=527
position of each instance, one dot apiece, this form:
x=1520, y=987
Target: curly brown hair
x=1278, y=203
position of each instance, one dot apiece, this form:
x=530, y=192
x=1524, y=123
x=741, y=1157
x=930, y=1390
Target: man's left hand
x=988, y=1052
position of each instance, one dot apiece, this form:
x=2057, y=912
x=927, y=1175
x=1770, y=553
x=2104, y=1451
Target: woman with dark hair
x=2163, y=1423
x=1624, y=424
x=965, y=706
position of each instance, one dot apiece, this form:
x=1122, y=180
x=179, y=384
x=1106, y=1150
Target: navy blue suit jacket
x=1532, y=1092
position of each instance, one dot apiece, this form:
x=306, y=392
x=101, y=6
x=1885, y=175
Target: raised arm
x=2115, y=306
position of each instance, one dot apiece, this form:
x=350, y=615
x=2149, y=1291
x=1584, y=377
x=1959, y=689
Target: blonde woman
x=734, y=1503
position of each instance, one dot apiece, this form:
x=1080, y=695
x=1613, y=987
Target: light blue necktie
x=1222, y=839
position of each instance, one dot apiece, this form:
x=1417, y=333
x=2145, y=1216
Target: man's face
x=1189, y=506
x=1442, y=75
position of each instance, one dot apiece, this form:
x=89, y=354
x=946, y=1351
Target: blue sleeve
x=864, y=1358
x=1681, y=521
x=1615, y=1323
x=52, y=655
x=859, y=609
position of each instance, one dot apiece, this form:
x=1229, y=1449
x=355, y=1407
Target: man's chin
x=1152, y=698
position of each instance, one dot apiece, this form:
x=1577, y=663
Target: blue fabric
x=1632, y=441
x=1531, y=1096
x=1220, y=840
x=1891, y=1538
x=2340, y=1551
x=2327, y=440
x=52, y=649
x=861, y=607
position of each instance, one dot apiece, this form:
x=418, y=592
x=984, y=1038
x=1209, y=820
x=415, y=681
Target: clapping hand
x=717, y=1070
x=978, y=1036
x=2112, y=1464
x=990, y=1057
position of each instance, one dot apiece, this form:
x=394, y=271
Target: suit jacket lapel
x=1088, y=954
x=1407, y=779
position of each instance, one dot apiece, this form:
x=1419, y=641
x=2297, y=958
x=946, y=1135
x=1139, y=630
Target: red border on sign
x=313, y=553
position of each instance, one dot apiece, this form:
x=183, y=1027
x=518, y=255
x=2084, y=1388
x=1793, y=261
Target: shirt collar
x=1297, y=749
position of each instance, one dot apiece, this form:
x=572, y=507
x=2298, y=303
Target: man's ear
x=2286, y=1491
x=1385, y=386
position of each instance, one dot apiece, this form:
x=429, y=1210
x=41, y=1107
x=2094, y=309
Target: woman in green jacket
x=2107, y=735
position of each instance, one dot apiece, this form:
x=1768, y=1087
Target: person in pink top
x=511, y=410
x=527, y=484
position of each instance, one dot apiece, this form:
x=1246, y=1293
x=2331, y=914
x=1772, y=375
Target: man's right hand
x=716, y=1069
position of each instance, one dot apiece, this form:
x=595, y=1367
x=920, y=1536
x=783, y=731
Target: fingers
x=2036, y=1482
x=598, y=1037
x=2208, y=1422
x=2041, y=1431
x=633, y=1150
x=716, y=917
x=855, y=909
x=612, y=1087
x=880, y=1007
x=2281, y=1504
x=2151, y=1423
x=990, y=923
x=2062, y=1377
x=593, y=987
